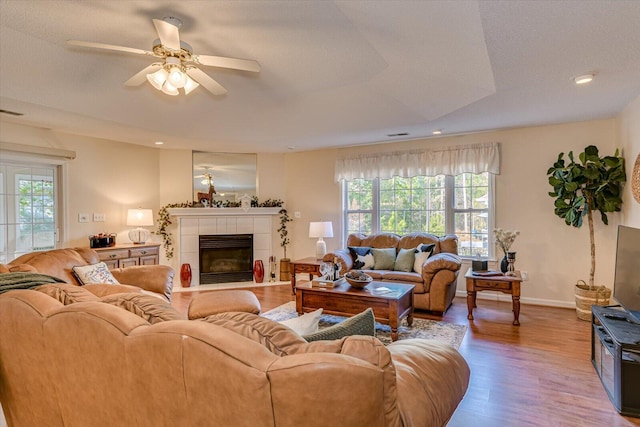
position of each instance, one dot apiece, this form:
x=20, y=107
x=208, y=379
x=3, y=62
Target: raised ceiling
x=334, y=73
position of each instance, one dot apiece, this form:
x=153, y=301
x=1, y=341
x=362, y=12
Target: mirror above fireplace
x=231, y=175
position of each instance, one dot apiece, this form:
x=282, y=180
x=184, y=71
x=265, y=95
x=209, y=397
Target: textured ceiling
x=333, y=73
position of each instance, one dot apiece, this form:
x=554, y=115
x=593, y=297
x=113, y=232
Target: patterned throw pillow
x=362, y=257
x=94, y=273
x=423, y=251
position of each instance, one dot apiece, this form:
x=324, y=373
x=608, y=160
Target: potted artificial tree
x=285, y=270
x=592, y=183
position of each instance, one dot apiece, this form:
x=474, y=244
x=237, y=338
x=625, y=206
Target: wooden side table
x=504, y=284
x=305, y=265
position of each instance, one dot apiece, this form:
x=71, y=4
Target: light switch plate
x=98, y=217
x=296, y=214
x=83, y=217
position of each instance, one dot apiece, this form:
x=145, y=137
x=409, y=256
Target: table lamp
x=140, y=218
x=320, y=230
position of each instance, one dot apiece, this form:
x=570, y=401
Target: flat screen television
x=626, y=285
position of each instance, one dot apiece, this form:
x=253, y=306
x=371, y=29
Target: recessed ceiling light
x=583, y=79
x=437, y=132
x=159, y=142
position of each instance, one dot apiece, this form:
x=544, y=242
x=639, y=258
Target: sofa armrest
x=441, y=261
x=430, y=372
x=154, y=278
x=344, y=258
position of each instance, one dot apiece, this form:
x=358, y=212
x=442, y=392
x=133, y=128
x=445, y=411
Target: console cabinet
x=122, y=256
x=615, y=354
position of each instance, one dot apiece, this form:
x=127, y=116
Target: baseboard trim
x=499, y=296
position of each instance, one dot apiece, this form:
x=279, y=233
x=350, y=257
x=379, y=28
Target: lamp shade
x=140, y=217
x=321, y=229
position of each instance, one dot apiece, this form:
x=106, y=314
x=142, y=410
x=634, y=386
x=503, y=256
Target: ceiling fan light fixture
x=177, y=77
x=158, y=78
x=169, y=89
x=190, y=85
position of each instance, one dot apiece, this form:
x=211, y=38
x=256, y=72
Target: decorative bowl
x=358, y=280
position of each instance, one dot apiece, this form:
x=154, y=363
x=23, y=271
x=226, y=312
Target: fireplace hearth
x=226, y=258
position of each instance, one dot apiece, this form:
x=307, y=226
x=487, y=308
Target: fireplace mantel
x=203, y=212
x=194, y=222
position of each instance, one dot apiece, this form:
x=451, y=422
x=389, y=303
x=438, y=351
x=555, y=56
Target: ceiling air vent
x=393, y=135
x=13, y=113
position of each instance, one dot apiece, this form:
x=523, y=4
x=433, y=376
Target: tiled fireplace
x=195, y=222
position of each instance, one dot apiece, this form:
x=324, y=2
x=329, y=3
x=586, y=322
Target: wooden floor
x=536, y=374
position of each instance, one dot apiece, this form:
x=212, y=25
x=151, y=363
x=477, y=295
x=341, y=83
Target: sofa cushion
x=384, y=258
x=150, y=308
x=361, y=324
x=306, y=324
x=67, y=293
x=405, y=260
x=94, y=273
x=362, y=257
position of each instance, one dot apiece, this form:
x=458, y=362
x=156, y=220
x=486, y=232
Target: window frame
x=60, y=203
x=450, y=211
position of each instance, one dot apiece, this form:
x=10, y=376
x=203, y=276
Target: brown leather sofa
x=59, y=262
x=435, y=285
x=132, y=360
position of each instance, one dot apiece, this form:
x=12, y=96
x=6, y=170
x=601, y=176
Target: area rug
x=450, y=333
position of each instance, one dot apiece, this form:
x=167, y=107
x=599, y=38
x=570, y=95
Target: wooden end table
x=502, y=283
x=309, y=265
x=343, y=300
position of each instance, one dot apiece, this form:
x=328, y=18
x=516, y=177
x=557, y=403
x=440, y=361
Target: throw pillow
x=361, y=324
x=306, y=324
x=405, y=259
x=423, y=251
x=384, y=258
x=362, y=257
x=94, y=273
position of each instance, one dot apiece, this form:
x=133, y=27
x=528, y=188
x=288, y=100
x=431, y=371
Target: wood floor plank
x=536, y=374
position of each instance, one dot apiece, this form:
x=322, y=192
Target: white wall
x=106, y=177
x=109, y=177
x=554, y=255
x=629, y=129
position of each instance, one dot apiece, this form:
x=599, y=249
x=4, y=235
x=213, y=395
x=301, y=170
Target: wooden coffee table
x=343, y=300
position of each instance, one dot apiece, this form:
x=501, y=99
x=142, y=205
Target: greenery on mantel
x=593, y=183
x=164, y=218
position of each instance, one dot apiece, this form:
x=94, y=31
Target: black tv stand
x=615, y=354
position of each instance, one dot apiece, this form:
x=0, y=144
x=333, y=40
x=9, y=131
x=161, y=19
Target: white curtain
x=475, y=158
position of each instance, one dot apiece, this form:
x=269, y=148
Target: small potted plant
x=285, y=269
x=592, y=183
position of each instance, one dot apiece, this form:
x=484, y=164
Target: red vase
x=185, y=275
x=258, y=271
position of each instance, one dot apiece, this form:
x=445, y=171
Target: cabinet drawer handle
x=113, y=256
x=143, y=252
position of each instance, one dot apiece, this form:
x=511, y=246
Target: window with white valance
x=439, y=191
x=473, y=158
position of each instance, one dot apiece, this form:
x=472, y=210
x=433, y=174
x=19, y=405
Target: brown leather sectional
x=132, y=360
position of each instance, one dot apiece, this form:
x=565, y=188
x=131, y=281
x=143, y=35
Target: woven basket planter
x=586, y=297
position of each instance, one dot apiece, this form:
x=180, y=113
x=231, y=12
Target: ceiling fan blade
x=225, y=62
x=141, y=76
x=203, y=78
x=110, y=47
x=168, y=33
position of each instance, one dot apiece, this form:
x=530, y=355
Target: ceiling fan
x=177, y=66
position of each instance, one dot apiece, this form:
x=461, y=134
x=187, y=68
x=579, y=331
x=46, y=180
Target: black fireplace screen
x=226, y=258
